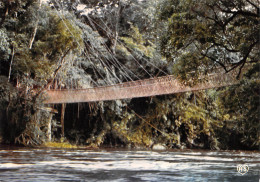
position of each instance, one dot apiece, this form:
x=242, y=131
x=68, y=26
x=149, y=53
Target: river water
x=44, y=164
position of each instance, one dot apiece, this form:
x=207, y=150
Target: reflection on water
x=126, y=165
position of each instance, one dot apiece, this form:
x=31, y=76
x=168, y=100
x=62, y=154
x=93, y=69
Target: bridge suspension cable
x=113, y=57
x=94, y=51
x=75, y=40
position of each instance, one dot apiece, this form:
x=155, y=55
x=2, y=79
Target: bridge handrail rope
x=142, y=82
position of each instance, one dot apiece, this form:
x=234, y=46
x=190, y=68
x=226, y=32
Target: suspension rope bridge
x=134, y=89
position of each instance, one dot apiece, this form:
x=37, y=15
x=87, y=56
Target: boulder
x=158, y=147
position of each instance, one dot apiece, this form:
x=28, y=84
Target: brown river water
x=122, y=165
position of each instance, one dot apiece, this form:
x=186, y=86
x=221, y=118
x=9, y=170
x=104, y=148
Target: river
x=121, y=165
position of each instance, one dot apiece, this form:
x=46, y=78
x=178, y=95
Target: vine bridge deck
x=141, y=88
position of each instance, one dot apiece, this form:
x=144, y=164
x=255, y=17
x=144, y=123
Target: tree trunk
x=10, y=68
x=49, y=129
x=4, y=16
x=116, y=29
x=63, y=106
x=35, y=28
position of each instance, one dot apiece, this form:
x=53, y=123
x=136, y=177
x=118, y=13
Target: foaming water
x=126, y=165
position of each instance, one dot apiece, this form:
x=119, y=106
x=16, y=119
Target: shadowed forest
x=78, y=44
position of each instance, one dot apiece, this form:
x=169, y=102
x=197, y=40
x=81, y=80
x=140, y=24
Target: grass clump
x=59, y=145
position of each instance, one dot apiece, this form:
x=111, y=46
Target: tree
x=242, y=104
x=36, y=43
x=52, y=43
x=204, y=34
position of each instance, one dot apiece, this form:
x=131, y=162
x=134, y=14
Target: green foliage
x=7, y=92
x=212, y=33
x=68, y=35
x=132, y=133
x=54, y=39
x=200, y=116
x=23, y=121
x=10, y=9
x=202, y=35
x=192, y=119
x=136, y=43
x=5, y=50
x=186, y=68
x=241, y=103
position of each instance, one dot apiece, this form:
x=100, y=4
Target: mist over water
x=20, y=164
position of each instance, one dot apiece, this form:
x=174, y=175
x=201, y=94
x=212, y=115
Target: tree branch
x=243, y=61
x=216, y=18
x=221, y=64
x=254, y=5
x=56, y=71
x=240, y=12
x=61, y=64
x=225, y=47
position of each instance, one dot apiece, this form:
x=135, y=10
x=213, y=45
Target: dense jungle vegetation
x=86, y=43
